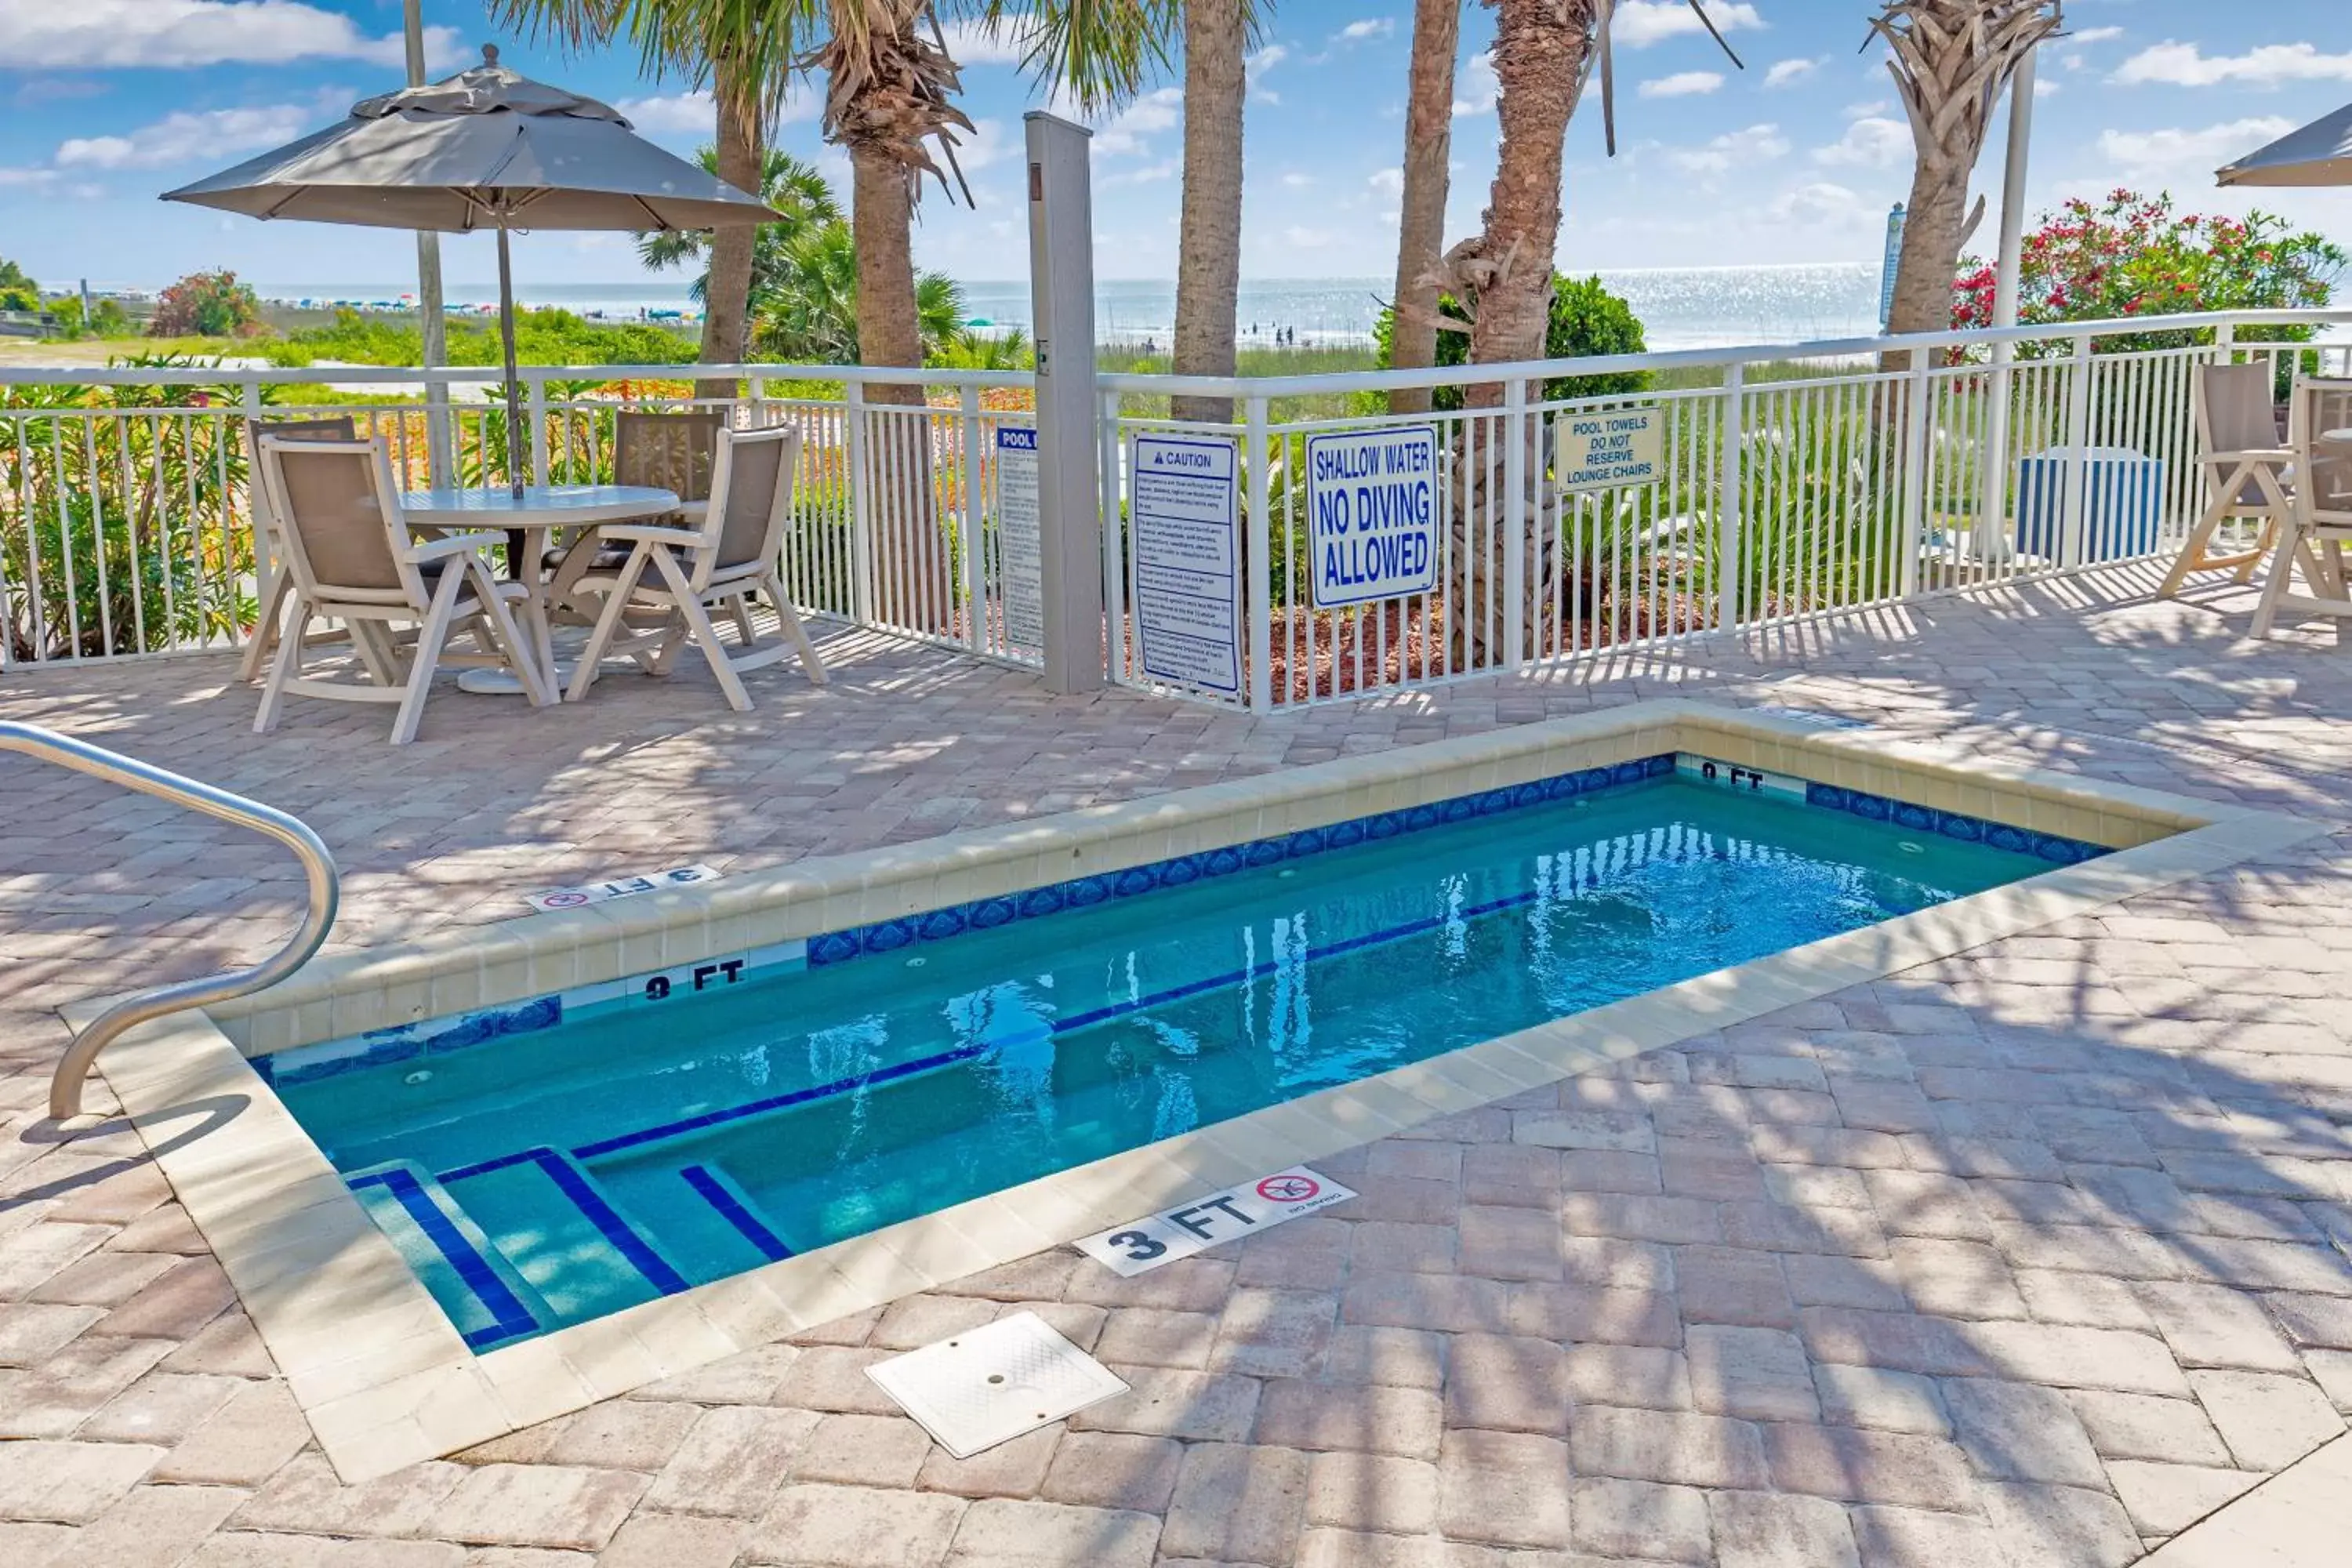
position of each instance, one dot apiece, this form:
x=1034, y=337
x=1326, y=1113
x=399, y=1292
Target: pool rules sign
x=1142, y=1245
x=1373, y=513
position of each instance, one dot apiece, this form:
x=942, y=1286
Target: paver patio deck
x=2035, y=1256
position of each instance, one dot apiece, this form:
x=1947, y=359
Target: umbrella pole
x=516, y=448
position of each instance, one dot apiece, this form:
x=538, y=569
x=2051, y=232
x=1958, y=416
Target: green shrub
x=207, y=305
x=1587, y=321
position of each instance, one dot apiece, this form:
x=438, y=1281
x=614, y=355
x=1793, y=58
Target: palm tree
x=1420, y=230
x=808, y=312
x=788, y=186
x=1217, y=36
x=744, y=50
x=1951, y=61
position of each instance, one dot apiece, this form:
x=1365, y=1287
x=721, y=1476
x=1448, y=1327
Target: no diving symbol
x=1288, y=1189
x=564, y=900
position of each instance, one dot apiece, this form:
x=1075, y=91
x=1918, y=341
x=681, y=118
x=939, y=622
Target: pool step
x=579, y=1247
x=699, y=1212
x=485, y=1295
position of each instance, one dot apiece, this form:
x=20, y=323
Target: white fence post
x=1918, y=419
x=1062, y=307
x=975, y=592
x=2074, y=531
x=1257, y=540
x=1731, y=478
x=1116, y=652
x=537, y=415
x=861, y=525
x=1515, y=523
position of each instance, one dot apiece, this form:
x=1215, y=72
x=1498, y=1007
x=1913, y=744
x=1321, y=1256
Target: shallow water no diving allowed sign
x=1371, y=500
x=1140, y=1246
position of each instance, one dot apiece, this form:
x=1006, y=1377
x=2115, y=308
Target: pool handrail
x=318, y=867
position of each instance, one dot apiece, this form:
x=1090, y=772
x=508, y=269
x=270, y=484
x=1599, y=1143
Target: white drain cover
x=992, y=1384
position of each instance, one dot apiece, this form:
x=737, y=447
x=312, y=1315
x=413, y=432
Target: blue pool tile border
x=1083, y=892
x=2056, y=849
x=831, y=948
x=828, y=949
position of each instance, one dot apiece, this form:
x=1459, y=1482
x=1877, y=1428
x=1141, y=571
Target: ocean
x=1680, y=307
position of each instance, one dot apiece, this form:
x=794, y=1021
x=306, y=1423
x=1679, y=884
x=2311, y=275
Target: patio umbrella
x=485, y=148
x=2319, y=154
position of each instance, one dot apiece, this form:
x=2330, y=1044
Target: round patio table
x=528, y=519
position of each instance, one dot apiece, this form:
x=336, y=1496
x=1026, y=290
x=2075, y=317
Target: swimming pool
x=552, y=1163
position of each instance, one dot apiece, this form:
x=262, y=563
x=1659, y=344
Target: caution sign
x=1143, y=1244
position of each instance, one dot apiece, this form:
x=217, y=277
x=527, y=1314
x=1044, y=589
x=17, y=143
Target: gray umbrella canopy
x=2319, y=154
x=486, y=149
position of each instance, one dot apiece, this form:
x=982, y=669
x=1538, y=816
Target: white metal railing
x=125, y=528
x=1791, y=481
x=322, y=887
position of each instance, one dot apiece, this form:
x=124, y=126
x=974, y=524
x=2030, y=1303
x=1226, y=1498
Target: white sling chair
x=277, y=587
x=2320, y=524
x=347, y=550
x=2246, y=470
x=687, y=572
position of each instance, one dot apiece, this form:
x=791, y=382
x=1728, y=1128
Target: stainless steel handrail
x=318, y=867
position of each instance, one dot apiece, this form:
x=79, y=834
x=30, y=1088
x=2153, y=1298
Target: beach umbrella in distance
x=484, y=149
x=2319, y=154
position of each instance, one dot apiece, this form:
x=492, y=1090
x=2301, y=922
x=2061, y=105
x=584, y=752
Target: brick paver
x=2036, y=1255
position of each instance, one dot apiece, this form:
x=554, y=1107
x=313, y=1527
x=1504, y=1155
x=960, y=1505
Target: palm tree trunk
x=1930, y=257
x=1539, y=47
x=1540, y=59
x=1209, y=259
x=909, y=556
x=1420, y=236
x=726, y=296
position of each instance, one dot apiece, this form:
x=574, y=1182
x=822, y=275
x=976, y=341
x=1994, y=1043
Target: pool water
x=638, y=1149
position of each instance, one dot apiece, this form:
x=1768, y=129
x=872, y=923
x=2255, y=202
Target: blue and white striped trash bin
x=2123, y=504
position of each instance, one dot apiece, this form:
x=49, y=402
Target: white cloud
x=2044, y=87
x=971, y=42
x=2095, y=36
x=1478, y=87
x=1756, y=144
x=10, y=178
x=1163, y=109
x=1783, y=72
x=215, y=134
x=2189, y=151
x=1258, y=64
x=1869, y=143
x=2185, y=65
x=673, y=114
x=1820, y=204
x=1298, y=182
x=988, y=141
x=1389, y=183
x=1682, y=84
x=84, y=34
x=1302, y=239
x=1640, y=22
x=1370, y=27
x=695, y=114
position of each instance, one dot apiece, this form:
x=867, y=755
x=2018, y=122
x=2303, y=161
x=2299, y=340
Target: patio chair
x=347, y=549
x=2320, y=523
x=2246, y=470
x=675, y=452
x=730, y=554
x=276, y=586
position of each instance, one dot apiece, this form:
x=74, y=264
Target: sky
x=1796, y=158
